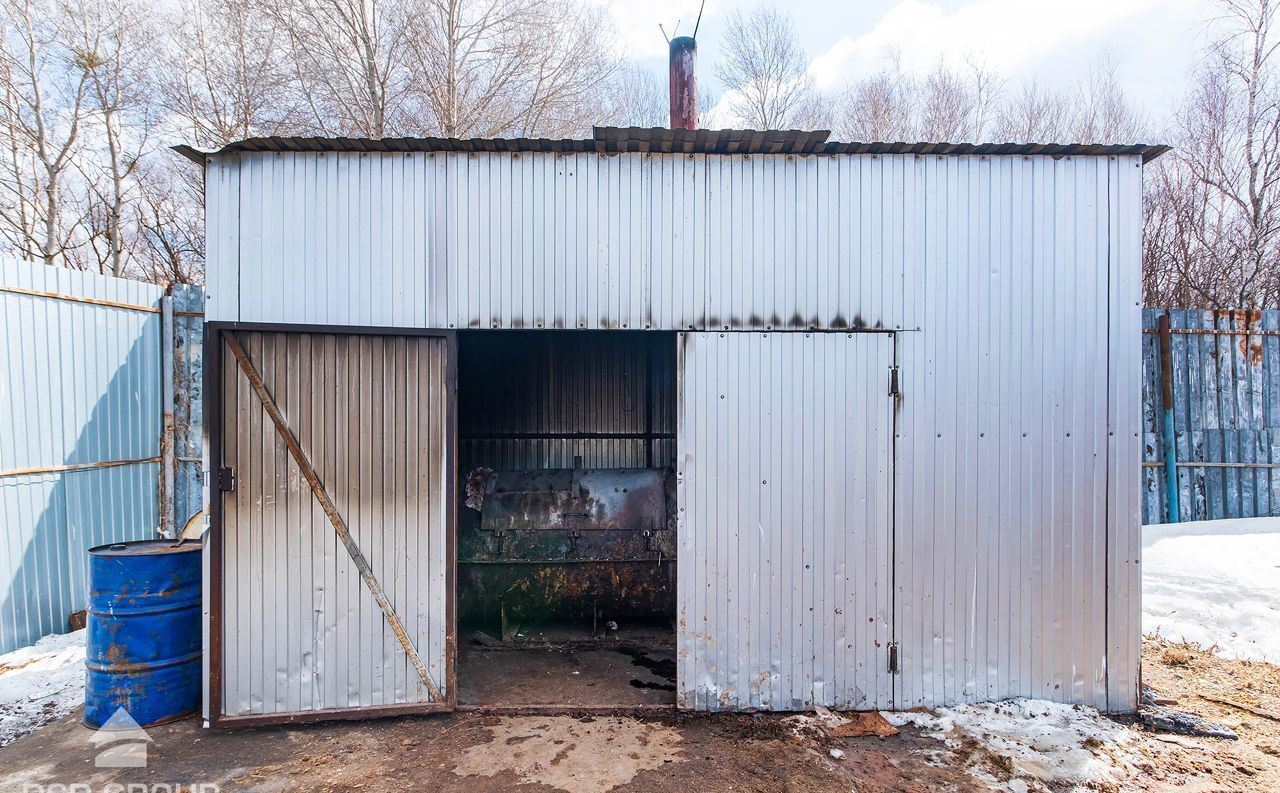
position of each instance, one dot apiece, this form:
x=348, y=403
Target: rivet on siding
x=1068, y=435
x=539, y=324
x=726, y=327
x=646, y=326
x=982, y=434
x=690, y=327
x=722, y=396
x=624, y=324
x=451, y=324
x=582, y=324
x=764, y=481
x=515, y=156
x=768, y=327
x=722, y=335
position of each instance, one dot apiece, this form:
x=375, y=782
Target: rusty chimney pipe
x=684, y=89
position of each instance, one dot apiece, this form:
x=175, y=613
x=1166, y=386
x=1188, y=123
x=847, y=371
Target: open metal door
x=785, y=523
x=332, y=547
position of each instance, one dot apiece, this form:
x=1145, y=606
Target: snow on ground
x=1214, y=582
x=1060, y=746
x=40, y=683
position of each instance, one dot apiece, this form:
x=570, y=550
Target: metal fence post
x=168, y=464
x=1166, y=424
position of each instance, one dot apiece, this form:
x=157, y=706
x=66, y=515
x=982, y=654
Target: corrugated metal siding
x=1226, y=409
x=301, y=632
x=784, y=525
x=1014, y=280
x=1017, y=460
x=80, y=383
x=557, y=241
x=524, y=396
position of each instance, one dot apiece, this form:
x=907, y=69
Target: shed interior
x=566, y=534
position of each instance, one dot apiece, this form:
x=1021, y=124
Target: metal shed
x=896, y=385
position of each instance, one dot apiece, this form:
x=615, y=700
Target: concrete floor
x=619, y=676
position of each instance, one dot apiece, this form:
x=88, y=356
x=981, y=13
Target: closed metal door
x=785, y=528
x=332, y=568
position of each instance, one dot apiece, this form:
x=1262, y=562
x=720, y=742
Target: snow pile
x=1214, y=583
x=1056, y=745
x=40, y=683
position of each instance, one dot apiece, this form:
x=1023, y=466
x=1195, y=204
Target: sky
x=1154, y=43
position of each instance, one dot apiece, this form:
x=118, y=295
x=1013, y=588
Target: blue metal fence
x=1226, y=414
x=80, y=429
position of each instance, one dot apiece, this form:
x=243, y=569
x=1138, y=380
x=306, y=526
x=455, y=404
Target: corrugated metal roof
x=611, y=140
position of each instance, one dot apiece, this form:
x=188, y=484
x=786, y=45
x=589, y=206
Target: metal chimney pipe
x=684, y=89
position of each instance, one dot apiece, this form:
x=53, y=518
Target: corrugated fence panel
x=80, y=384
x=301, y=631
x=1002, y=485
x=784, y=524
x=541, y=240
x=1226, y=414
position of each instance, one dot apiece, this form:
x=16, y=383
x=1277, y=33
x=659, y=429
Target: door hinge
x=226, y=480
x=893, y=658
x=894, y=389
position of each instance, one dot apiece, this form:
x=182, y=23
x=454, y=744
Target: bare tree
x=877, y=107
x=1215, y=224
x=349, y=61
x=635, y=97
x=1033, y=115
x=1101, y=113
x=947, y=105
x=169, y=223
x=224, y=75
x=501, y=67
x=110, y=44
x=43, y=95
x=764, y=71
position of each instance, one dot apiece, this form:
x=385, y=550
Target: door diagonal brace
x=339, y=525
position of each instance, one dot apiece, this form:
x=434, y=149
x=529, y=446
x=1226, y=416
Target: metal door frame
x=213, y=383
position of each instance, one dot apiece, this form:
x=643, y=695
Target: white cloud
x=1010, y=36
x=637, y=23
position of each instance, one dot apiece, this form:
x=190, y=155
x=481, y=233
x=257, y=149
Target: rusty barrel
x=143, y=647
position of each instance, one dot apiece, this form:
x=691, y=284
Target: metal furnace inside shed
x=566, y=583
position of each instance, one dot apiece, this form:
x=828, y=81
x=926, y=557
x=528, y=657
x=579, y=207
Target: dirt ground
x=1202, y=683
x=667, y=752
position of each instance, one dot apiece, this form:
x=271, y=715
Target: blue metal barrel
x=143, y=647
